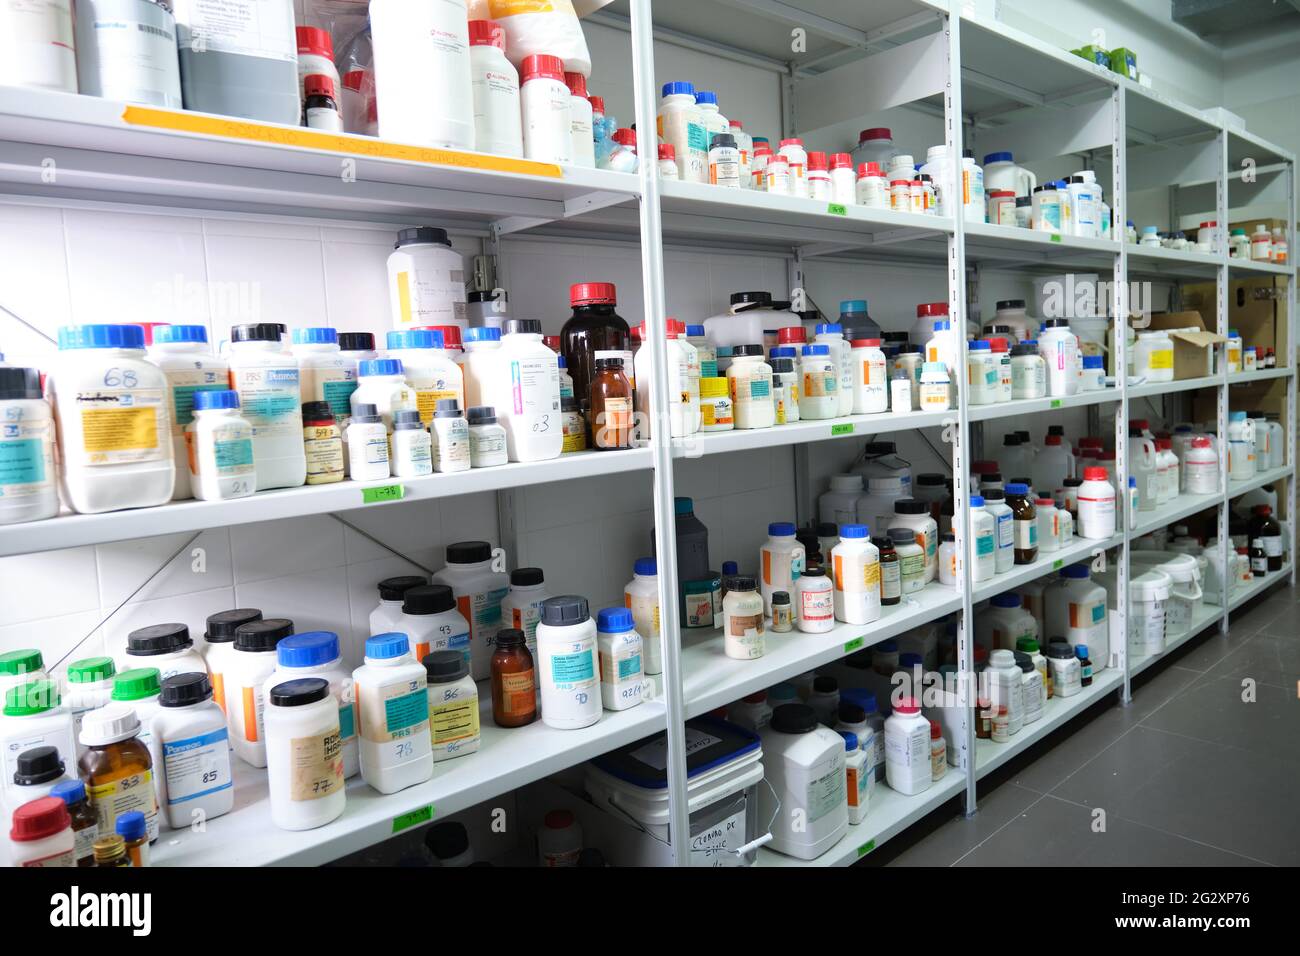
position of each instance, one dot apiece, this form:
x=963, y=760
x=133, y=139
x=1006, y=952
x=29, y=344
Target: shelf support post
x=1221, y=406
x=1120, y=305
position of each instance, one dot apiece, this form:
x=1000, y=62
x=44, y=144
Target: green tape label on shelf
x=1058, y=564
x=866, y=848
x=1056, y=237
x=1056, y=403
x=837, y=209
x=413, y=818
x=854, y=645
x=845, y=429
x=371, y=496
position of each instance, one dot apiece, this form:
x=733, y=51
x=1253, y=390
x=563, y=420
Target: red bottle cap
x=315, y=40
x=625, y=137
x=577, y=84
x=935, y=730
x=487, y=33
x=907, y=705
x=592, y=293
x=841, y=161
x=318, y=84
x=542, y=66
x=985, y=467
x=1263, y=510
x=865, y=343
x=791, y=142
x=734, y=124
x=998, y=344
x=869, y=169
x=39, y=819
x=666, y=151
x=1052, y=440
x=597, y=103
x=354, y=80
x=792, y=335
x=899, y=182
x=552, y=342
x=762, y=149
x=451, y=338
x=931, y=309
x=876, y=132
x=1094, y=474
x=817, y=161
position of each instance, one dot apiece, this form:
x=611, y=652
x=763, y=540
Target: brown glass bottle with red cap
x=593, y=327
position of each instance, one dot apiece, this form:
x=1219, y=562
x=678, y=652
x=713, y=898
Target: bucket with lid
x=723, y=773
x=1185, y=592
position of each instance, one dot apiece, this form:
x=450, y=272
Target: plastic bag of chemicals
x=542, y=26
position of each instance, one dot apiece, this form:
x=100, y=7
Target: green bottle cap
x=137, y=684
x=1026, y=645
x=90, y=670
x=35, y=697
x=16, y=663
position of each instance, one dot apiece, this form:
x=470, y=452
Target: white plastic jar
x=495, y=82
x=814, y=602
x=194, y=781
x=1096, y=505
x=381, y=383
x=981, y=373
x=89, y=686
x=168, y=647
x=304, y=759
x=1003, y=527
x=521, y=608
x=426, y=279
x=839, y=505
x=622, y=678
x=252, y=662
x=831, y=334
x=428, y=368
x=843, y=180
x=936, y=387
x=41, y=834
x=781, y=561
x=182, y=352
x=1049, y=525
x=220, y=464
x=38, y=46
x=1074, y=608
x=750, y=382
x=983, y=541
x=431, y=621
x=681, y=126
x=819, y=398
x=453, y=705
x=870, y=377
x=796, y=159
x=1060, y=353
x=1065, y=669
x=392, y=707
x=855, y=563
x=418, y=48
x=317, y=654
x=1241, y=447
x=219, y=646
x=907, y=749
x=1149, y=593
x=872, y=189
x=1154, y=356
x=268, y=381
x=742, y=620
x=915, y=516
x=114, y=435
x=525, y=391
x=641, y=597
x=1028, y=371
x=1200, y=469
x=28, y=490
x=479, y=591
x=544, y=100
x=1005, y=687
x=568, y=669
x=804, y=769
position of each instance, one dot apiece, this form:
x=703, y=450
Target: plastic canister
x=1001, y=172
x=781, y=559
x=915, y=515
x=855, y=562
x=1241, y=447
x=521, y=608
x=641, y=597
x=317, y=654
x=805, y=771
x=622, y=683
x=392, y=708
x=478, y=590
x=253, y=661
x=194, y=781
x=1004, y=687
x=268, y=381
x=251, y=39
x=425, y=284
x=1154, y=356
x=1074, y=608
x=1185, y=587
x=304, y=764
x=1007, y=622
x=1148, y=600
x=568, y=669
x=839, y=505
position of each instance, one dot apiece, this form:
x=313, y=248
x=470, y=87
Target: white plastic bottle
x=781, y=561
x=368, y=451
x=1074, y=608
x=839, y=505
x=327, y=375
x=495, y=81
x=34, y=715
x=37, y=43
x=750, y=381
x=392, y=593
x=182, y=352
x=981, y=373
x=412, y=446
x=870, y=377
x=568, y=670
x=28, y=490
x=392, y=704
x=983, y=542
x=680, y=125
x=521, y=608
x=804, y=764
x=419, y=47
x=432, y=622
x=582, y=150
x=1060, y=353
x=429, y=369
x=480, y=363
x=742, y=620
x=381, y=383
x=683, y=403
x=194, y=781
x=819, y=398
x=479, y=591
x=907, y=749
x=814, y=601
x=1005, y=682
x=1241, y=447
x=832, y=334
x=641, y=597
x=166, y=647
x=525, y=390
x=219, y=463
x=544, y=99
x=110, y=404
x=855, y=563
x=1003, y=529
x=1201, y=467
x=622, y=682
x=450, y=438
x=268, y=381
x=304, y=763
x=252, y=662
x=316, y=654
x=426, y=285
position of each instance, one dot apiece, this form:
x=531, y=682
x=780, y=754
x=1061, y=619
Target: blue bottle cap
x=706, y=96
x=977, y=501
x=69, y=791
x=1017, y=488
x=1006, y=599
x=860, y=696
x=613, y=620
x=385, y=366
x=853, y=531
x=1236, y=416
x=384, y=647
x=980, y=345
x=1132, y=482
x=889, y=647
x=816, y=350
x=997, y=158
x=131, y=825
x=781, y=529
x=482, y=335
x=1075, y=571
x=215, y=398
x=645, y=566
x=313, y=336
x=694, y=330
x=560, y=359
x=1094, y=361
x=309, y=649
x=833, y=328
x=170, y=334
x=853, y=306
x=678, y=87
x=942, y=325
x=850, y=740
x=784, y=351
x=1081, y=651
x=730, y=567
x=415, y=339
x=101, y=337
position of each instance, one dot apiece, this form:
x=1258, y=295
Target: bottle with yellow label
x=855, y=562
x=117, y=768
x=430, y=370
x=453, y=705
x=715, y=406
x=111, y=408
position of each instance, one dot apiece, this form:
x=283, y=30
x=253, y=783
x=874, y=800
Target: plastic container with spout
x=1001, y=172
x=839, y=506
x=750, y=314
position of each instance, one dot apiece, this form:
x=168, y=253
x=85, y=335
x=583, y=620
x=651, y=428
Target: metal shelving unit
x=984, y=79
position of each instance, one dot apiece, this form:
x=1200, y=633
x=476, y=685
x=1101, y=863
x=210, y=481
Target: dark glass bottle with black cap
x=611, y=405
x=594, y=327
x=410, y=307
x=29, y=460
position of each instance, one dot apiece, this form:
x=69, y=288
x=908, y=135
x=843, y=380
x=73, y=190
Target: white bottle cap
x=109, y=725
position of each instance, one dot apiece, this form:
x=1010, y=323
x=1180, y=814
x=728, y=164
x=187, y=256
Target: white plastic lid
x=1150, y=585
x=110, y=724
x=846, y=482
x=1002, y=658
x=1181, y=568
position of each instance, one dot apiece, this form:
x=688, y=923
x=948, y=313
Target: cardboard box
x=1194, y=350
x=1256, y=309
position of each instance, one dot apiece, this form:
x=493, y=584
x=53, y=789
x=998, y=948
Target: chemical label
x=257, y=30
x=315, y=766
x=819, y=605
x=234, y=457
x=574, y=668
x=1026, y=531
x=120, y=426
x=518, y=693
x=394, y=712
x=837, y=209
x=712, y=845
x=405, y=709
x=184, y=385
x=1161, y=359
x=984, y=544
x=197, y=766
x=426, y=401
x=270, y=398
x=26, y=458
x=759, y=388
x=655, y=753
x=337, y=393
x=826, y=790
x=453, y=718
x=843, y=429
x=413, y=818
x=132, y=792
x=347, y=722
x=64, y=859
x=371, y=496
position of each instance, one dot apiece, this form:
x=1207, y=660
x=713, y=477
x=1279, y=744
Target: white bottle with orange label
x=855, y=563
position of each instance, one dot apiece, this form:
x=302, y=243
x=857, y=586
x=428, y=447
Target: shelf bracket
x=587, y=202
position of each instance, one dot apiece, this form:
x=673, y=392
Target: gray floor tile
x=1238, y=801
x=953, y=839
x=1265, y=612
x=1200, y=653
x=1266, y=658
x=1213, y=710
x=1054, y=832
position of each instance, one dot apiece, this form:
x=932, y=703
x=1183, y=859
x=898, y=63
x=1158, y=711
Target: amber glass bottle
x=611, y=406
x=117, y=768
x=593, y=327
x=1025, y=523
x=514, y=681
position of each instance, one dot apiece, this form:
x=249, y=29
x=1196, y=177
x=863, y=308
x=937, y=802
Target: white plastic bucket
x=1185, y=593
x=1148, y=601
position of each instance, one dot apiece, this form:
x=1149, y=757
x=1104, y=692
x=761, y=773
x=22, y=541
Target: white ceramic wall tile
x=470, y=518
x=413, y=529
x=314, y=601
x=190, y=609
x=624, y=538
x=571, y=557
x=49, y=584
x=126, y=565
x=363, y=597
x=356, y=286
x=34, y=279
x=56, y=637
x=273, y=549
x=696, y=477
x=127, y=267
x=266, y=277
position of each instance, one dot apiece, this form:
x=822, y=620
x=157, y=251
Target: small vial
x=487, y=438
x=948, y=560
x=134, y=831
x=1085, y=664
x=983, y=719
x=323, y=444
x=782, y=612
x=412, y=445
x=1001, y=725
x=900, y=391
x=450, y=437
x=938, y=752
x=85, y=823
x=368, y=444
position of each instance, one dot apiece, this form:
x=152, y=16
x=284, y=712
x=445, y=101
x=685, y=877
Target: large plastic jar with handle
x=182, y=352
x=392, y=706
x=839, y=505
x=114, y=433
x=317, y=654
x=1241, y=447
x=1074, y=608
x=804, y=767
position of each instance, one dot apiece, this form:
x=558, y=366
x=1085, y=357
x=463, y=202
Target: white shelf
x=73, y=530
x=506, y=759
x=1261, y=375
x=1203, y=616
x=988, y=241
x=1152, y=389
x=1260, y=268
x=1056, y=712
x=711, y=679
x=1080, y=549
x=1177, y=263
x=852, y=426
x=889, y=814
x=1261, y=479
x=1180, y=507
x=1029, y=406
x=1258, y=585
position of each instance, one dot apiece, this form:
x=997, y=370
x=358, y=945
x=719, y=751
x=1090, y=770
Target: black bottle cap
x=747, y=350
x=794, y=719
x=469, y=552
x=317, y=412
x=511, y=637
x=261, y=636
x=223, y=625
x=527, y=577
x=428, y=599
x=256, y=332
x=158, y=639
x=910, y=506
x=443, y=667
x=356, y=342
x=422, y=235
x=19, y=383
x=182, y=690
x=743, y=582
x=392, y=589
x=300, y=692
x=447, y=840
x=481, y=415
x=851, y=713
x=827, y=529
x=38, y=765
x=524, y=326
x=755, y=298
x=825, y=684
